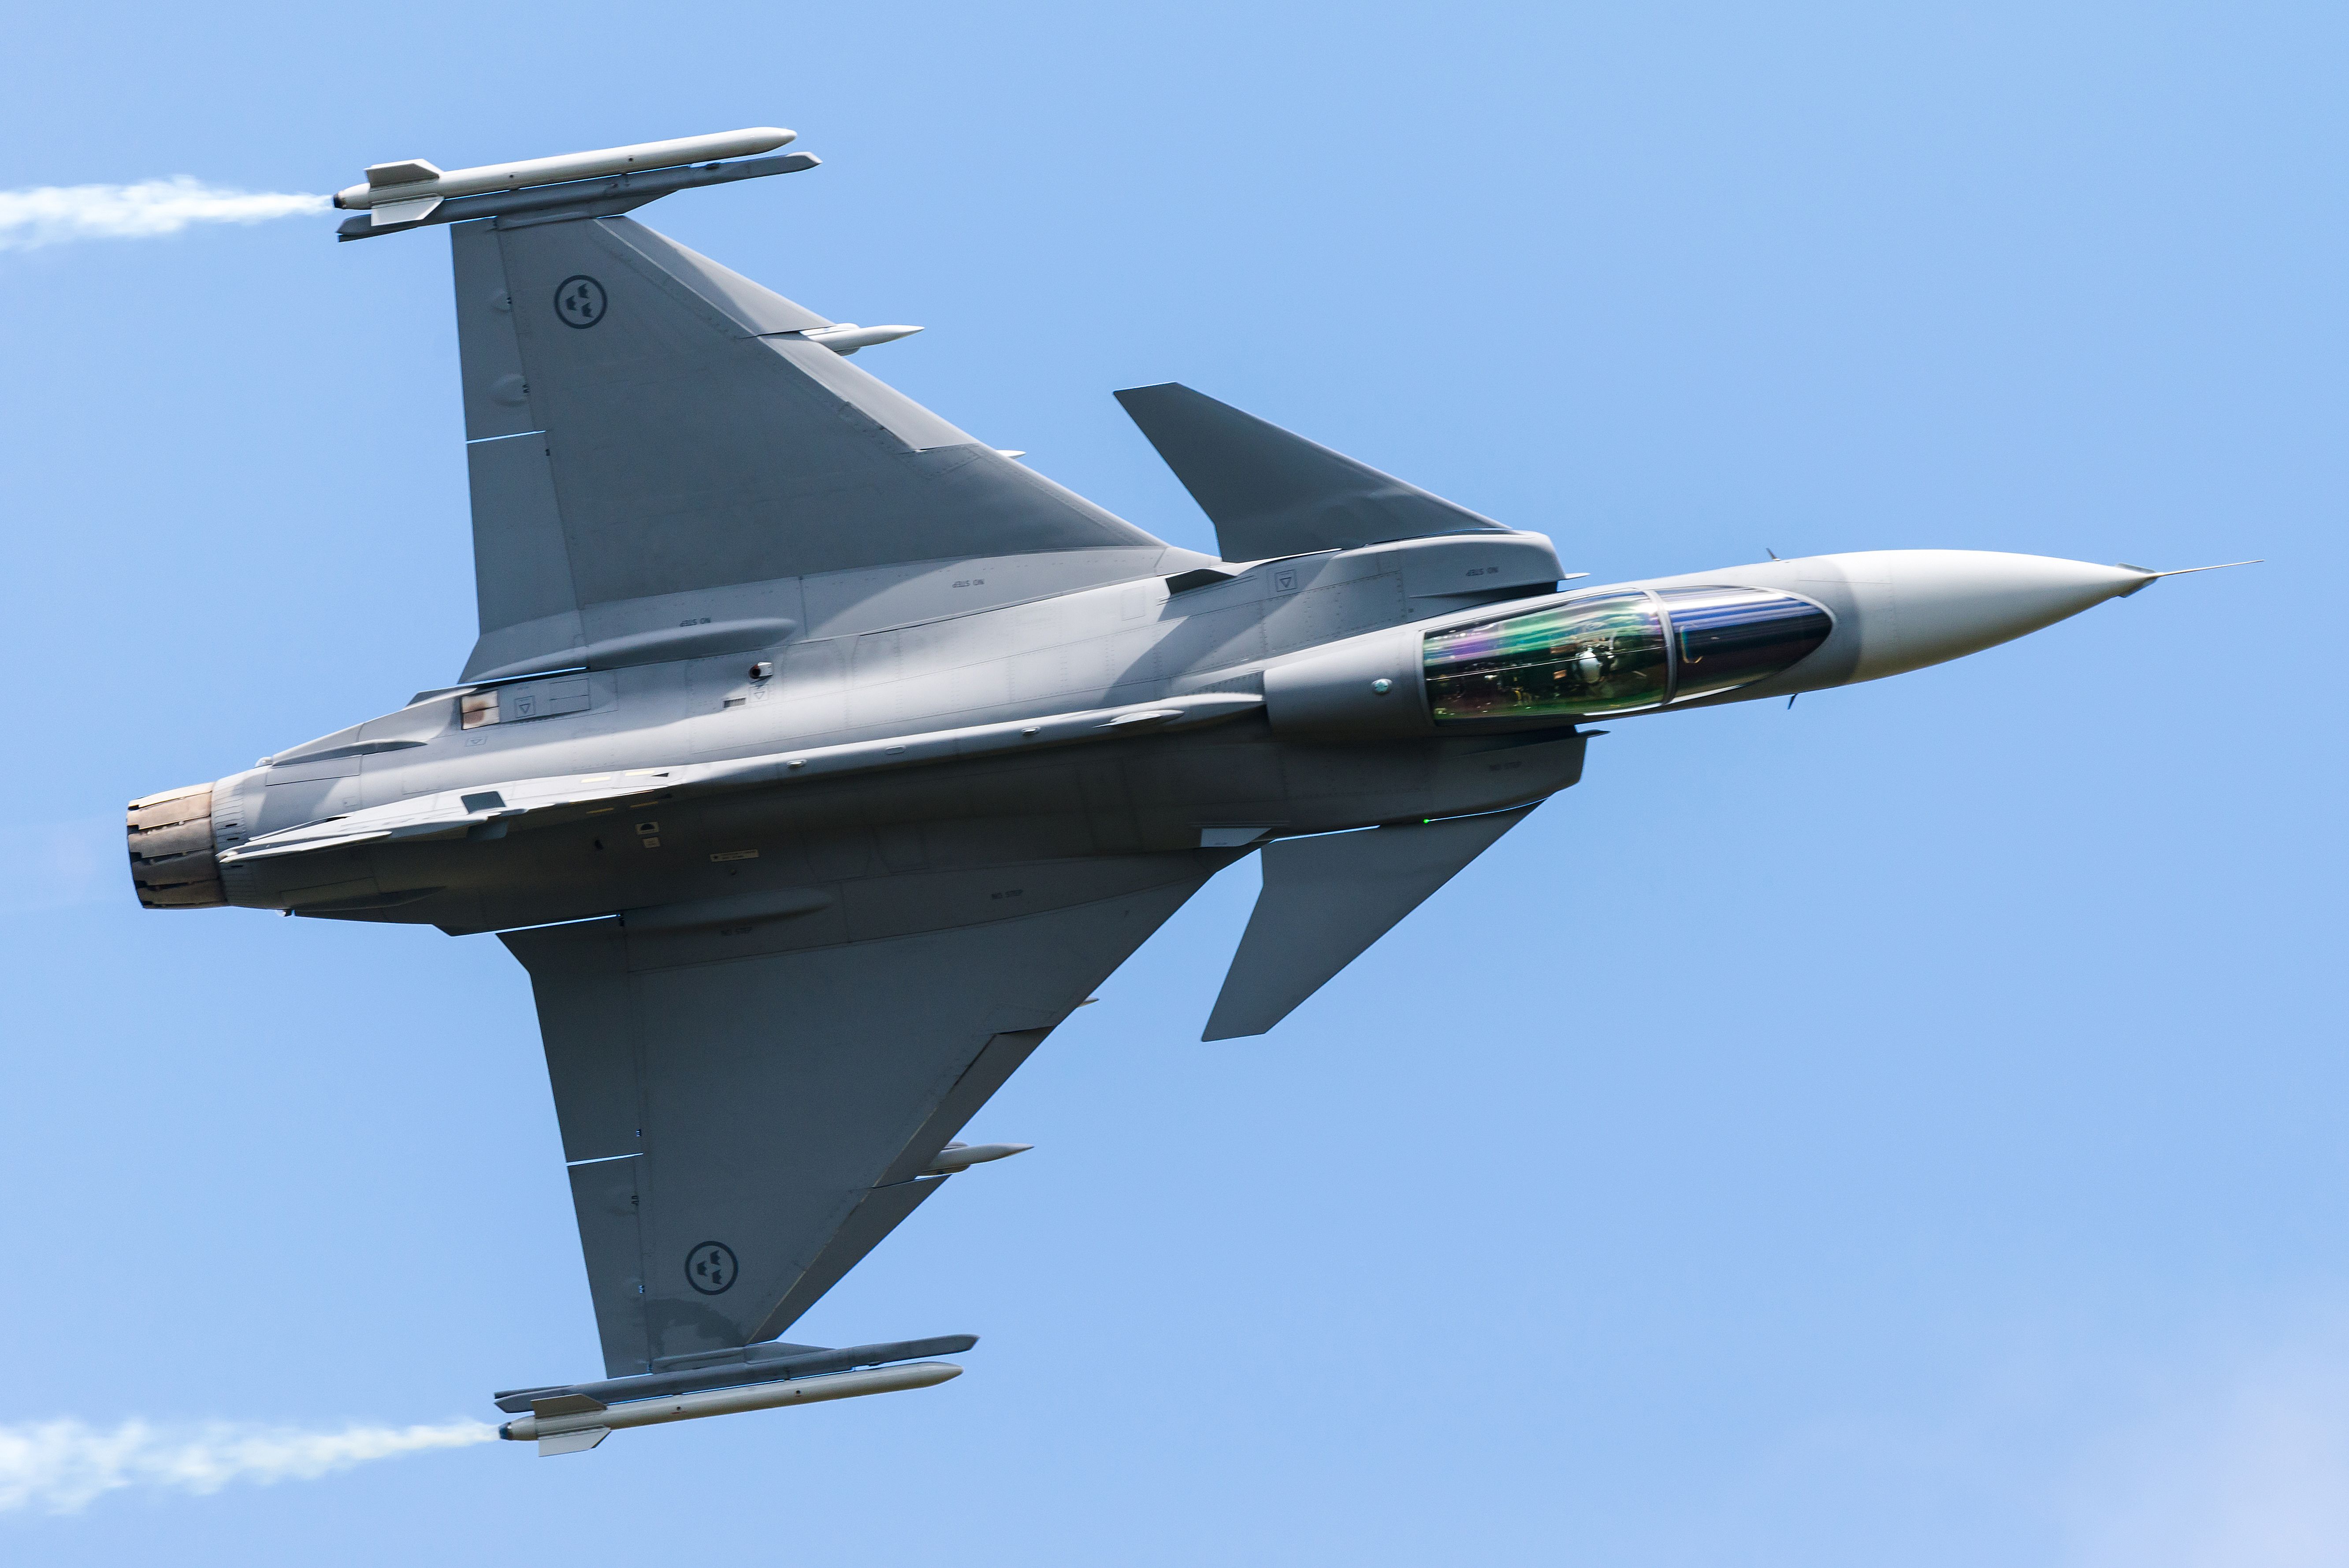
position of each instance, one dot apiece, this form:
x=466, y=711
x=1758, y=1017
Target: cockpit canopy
x=1614, y=653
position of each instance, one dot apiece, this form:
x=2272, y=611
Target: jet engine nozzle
x=172, y=860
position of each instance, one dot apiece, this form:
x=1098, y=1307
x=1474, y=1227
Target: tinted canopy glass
x=1729, y=637
x=1590, y=655
x=1608, y=653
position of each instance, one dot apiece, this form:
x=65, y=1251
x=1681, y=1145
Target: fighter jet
x=817, y=760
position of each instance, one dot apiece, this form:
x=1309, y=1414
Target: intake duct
x=172, y=860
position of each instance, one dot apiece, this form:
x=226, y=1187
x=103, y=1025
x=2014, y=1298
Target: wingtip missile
x=397, y=196
x=770, y=1363
x=414, y=180
x=572, y=1423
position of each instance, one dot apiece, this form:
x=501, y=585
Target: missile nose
x=1946, y=603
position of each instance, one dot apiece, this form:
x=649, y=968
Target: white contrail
x=52, y=214
x=62, y=1465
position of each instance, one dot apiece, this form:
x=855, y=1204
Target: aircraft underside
x=816, y=759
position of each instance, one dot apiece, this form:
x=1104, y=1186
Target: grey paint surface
x=816, y=759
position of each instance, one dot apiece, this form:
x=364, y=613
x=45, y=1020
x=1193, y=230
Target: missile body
x=407, y=191
x=755, y=1364
x=603, y=196
x=572, y=1423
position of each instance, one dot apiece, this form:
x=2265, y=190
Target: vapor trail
x=52, y=214
x=63, y=1466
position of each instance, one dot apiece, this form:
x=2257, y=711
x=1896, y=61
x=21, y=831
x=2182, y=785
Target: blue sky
x=1907, y=1128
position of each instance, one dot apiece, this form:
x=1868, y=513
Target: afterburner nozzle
x=173, y=860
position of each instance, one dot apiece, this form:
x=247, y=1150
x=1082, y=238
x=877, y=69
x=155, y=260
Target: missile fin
x=566, y=1405
x=572, y=1442
x=407, y=172
x=391, y=212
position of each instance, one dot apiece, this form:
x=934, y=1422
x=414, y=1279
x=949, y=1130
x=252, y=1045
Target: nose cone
x=1945, y=604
